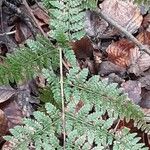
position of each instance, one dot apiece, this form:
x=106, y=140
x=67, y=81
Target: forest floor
x=104, y=51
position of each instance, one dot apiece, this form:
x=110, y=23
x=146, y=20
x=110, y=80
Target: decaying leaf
x=82, y=48
x=133, y=89
x=107, y=67
x=125, y=13
x=145, y=82
x=3, y=124
x=13, y=113
x=97, y=28
x=119, y=52
x=145, y=103
x=146, y=22
x=140, y=61
x=6, y=92
x=144, y=37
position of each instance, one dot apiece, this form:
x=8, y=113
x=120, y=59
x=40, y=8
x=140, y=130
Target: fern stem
x=62, y=97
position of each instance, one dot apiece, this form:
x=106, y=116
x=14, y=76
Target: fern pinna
x=87, y=99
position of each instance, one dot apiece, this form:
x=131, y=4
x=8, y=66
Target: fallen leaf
x=119, y=52
x=3, y=125
x=82, y=48
x=146, y=22
x=140, y=61
x=145, y=103
x=133, y=89
x=22, y=32
x=13, y=112
x=97, y=28
x=144, y=37
x=145, y=82
x=41, y=15
x=125, y=13
x=107, y=67
x=6, y=92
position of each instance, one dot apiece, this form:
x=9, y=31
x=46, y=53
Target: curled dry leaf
x=125, y=13
x=133, y=88
x=119, y=52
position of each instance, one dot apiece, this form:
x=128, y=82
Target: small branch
x=62, y=97
x=8, y=33
x=33, y=17
x=125, y=32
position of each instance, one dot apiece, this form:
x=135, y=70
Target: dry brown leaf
x=140, y=61
x=6, y=93
x=144, y=37
x=107, y=67
x=124, y=13
x=41, y=15
x=22, y=32
x=119, y=52
x=145, y=82
x=133, y=88
x=13, y=113
x=146, y=22
x=3, y=124
x=82, y=48
x=145, y=103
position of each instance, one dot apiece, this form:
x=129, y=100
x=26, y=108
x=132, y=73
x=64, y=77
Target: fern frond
x=67, y=16
x=99, y=93
x=26, y=62
x=84, y=130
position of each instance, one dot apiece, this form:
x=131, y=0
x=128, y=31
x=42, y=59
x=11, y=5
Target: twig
x=62, y=98
x=8, y=33
x=33, y=17
x=125, y=32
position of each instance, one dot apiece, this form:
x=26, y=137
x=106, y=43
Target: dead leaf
x=22, y=32
x=82, y=48
x=125, y=13
x=41, y=15
x=6, y=92
x=145, y=82
x=107, y=67
x=3, y=125
x=97, y=56
x=13, y=113
x=140, y=61
x=119, y=52
x=145, y=103
x=79, y=106
x=146, y=22
x=133, y=89
x=97, y=28
x=144, y=37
